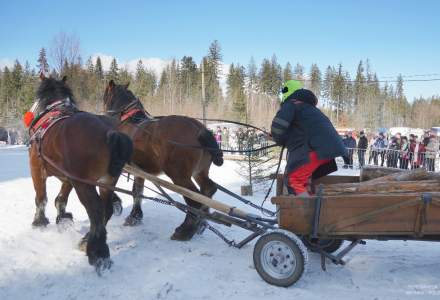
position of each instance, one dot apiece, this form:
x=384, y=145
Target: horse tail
x=121, y=149
x=206, y=139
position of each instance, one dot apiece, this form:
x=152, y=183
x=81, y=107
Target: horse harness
x=57, y=111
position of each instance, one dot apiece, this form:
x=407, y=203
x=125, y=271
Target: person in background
x=362, y=148
x=418, y=151
x=225, y=138
x=311, y=140
x=380, y=145
x=393, y=151
x=240, y=139
x=350, y=144
x=412, y=145
x=404, y=153
x=218, y=136
x=432, y=146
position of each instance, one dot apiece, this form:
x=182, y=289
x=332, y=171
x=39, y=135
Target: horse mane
x=51, y=90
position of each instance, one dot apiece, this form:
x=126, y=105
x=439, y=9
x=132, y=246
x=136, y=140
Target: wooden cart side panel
x=370, y=214
x=352, y=214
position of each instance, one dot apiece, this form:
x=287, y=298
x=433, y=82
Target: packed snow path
x=45, y=263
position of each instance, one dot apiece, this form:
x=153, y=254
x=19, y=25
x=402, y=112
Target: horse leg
x=136, y=214
x=96, y=249
x=39, y=181
x=207, y=186
x=191, y=224
x=107, y=197
x=61, y=202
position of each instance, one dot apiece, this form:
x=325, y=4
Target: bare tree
x=64, y=48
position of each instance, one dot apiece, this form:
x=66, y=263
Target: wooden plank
x=382, y=187
x=367, y=216
x=184, y=191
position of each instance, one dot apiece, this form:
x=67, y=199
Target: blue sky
x=397, y=36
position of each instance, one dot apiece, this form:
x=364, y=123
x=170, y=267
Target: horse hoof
x=117, y=208
x=82, y=245
x=132, y=221
x=180, y=237
x=183, y=234
x=102, y=264
x=64, y=217
x=40, y=222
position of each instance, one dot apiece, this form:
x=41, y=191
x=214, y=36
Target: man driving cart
x=311, y=140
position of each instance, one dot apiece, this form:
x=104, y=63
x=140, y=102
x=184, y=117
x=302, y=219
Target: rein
x=130, y=110
x=82, y=180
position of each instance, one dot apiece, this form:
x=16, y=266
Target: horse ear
x=64, y=79
x=127, y=84
x=42, y=76
x=111, y=84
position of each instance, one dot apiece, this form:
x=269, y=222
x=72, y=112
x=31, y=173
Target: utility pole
x=203, y=92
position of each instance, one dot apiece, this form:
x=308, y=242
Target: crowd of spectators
x=393, y=151
x=381, y=149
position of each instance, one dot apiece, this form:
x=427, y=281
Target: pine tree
x=235, y=91
x=338, y=90
x=212, y=69
x=188, y=77
x=145, y=82
x=89, y=65
x=43, y=66
x=287, y=72
x=252, y=76
x=359, y=85
x=113, y=72
x=98, y=69
x=327, y=88
x=315, y=80
x=298, y=72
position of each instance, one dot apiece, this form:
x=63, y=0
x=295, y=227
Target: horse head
x=51, y=91
x=118, y=98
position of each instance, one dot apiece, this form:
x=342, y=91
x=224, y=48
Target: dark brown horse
x=174, y=145
x=67, y=143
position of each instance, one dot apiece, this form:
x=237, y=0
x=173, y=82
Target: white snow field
x=46, y=264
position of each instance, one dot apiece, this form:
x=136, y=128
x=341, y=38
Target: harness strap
x=130, y=113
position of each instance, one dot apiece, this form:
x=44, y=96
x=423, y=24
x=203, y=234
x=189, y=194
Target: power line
x=415, y=75
x=379, y=81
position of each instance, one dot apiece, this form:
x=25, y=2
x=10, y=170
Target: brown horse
x=181, y=147
x=68, y=144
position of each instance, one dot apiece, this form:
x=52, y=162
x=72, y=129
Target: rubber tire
x=334, y=245
x=299, y=256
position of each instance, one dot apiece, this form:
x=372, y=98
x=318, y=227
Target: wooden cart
x=319, y=223
x=322, y=223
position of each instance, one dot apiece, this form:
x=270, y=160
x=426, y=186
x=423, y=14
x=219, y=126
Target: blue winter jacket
x=301, y=127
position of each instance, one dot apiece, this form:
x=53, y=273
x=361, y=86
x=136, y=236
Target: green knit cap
x=289, y=87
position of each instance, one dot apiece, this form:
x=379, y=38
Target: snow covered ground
x=46, y=263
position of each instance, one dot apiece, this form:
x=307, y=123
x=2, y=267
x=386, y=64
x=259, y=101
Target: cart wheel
x=280, y=258
x=328, y=245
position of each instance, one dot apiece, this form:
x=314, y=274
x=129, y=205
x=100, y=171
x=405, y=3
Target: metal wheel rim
x=278, y=260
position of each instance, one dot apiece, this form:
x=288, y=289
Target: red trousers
x=299, y=178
